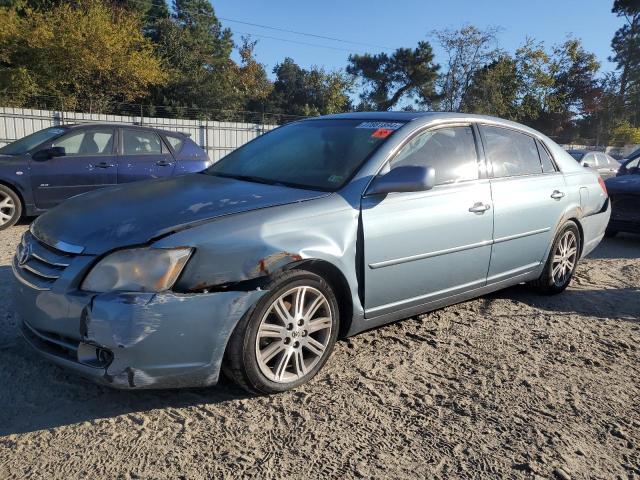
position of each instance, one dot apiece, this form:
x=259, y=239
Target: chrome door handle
x=163, y=163
x=102, y=165
x=557, y=195
x=479, y=207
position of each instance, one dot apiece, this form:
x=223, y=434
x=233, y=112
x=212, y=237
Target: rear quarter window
x=545, y=159
x=176, y=142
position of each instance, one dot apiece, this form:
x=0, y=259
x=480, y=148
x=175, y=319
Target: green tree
x=298, y=91
x=572, y=70
x=494, y=89
x=87, y=53
x=625, y=134
x=387, y=79
x=626, y=54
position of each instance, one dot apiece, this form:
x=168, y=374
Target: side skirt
x=386, y=318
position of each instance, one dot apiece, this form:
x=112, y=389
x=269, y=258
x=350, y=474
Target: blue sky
x=402, y=23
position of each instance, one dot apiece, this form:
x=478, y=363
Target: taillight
x=603, y=185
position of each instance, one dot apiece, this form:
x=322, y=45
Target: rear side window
x=511, y=153
x=139, y=142
x=175, y=142
x=451, y=151
x=545, y=159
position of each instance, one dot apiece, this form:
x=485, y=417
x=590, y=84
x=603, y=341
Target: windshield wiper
x=247, y=178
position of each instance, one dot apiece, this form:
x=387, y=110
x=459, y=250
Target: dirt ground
x=510, y=385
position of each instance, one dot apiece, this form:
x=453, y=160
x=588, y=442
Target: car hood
x=136, y=213
x=624, y=184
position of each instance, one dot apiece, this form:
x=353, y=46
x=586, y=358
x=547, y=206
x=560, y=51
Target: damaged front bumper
x=134, y=340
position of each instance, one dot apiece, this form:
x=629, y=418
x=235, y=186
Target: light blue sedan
x=319, y=229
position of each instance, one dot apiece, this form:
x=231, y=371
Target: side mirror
x=409, y=178
x=586, y=164
x=48, y=153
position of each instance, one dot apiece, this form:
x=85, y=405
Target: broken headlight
x=137, y=270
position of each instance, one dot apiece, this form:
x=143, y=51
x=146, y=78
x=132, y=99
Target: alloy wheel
x=7, y=208
x=293, y=334
x=564, y=258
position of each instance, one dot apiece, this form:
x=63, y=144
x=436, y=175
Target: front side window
x=314, y=154
x=26, y=144
x=139, y=142
x=451, y=151
x=511, y=153
x=87, y=142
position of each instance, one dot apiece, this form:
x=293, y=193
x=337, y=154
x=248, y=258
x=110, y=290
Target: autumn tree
x=86, y=54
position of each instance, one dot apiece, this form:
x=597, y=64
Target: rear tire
x=10, y=207
x=286, y=338
x=562, y=261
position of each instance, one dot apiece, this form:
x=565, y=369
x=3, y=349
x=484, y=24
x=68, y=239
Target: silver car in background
x=321, y=228
x=604, y=164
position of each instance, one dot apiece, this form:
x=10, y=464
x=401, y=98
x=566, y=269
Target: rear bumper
x=131, y=340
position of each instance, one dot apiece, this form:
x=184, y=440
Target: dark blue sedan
x=41, y=170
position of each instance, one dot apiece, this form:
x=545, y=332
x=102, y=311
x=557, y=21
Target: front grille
x=38, y=265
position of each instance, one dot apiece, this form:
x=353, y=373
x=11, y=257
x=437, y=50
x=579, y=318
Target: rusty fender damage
x=164, y=340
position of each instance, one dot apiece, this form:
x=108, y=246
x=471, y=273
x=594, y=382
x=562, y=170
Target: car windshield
x=577, y=155
x=634, y=154
x=25, y=144
x=313, y=154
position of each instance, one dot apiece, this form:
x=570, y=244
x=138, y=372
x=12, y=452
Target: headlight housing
x=137, y=270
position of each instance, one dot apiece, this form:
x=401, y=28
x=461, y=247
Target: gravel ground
x=509, y=385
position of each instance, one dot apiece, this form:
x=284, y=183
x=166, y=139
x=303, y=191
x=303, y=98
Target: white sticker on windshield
x=376, y=125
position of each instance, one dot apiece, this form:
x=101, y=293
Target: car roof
x=427, y=117
x=123, y=125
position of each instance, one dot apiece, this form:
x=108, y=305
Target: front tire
x=286, y=338
x=10, y=207
x=562, y=261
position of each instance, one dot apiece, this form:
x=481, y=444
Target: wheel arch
x=17, y=191
x=580, y=232
x=336, y=279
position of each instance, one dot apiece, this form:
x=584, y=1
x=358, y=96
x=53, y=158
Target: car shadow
x=622, y=304
x=624, y=245
x=38, y=395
